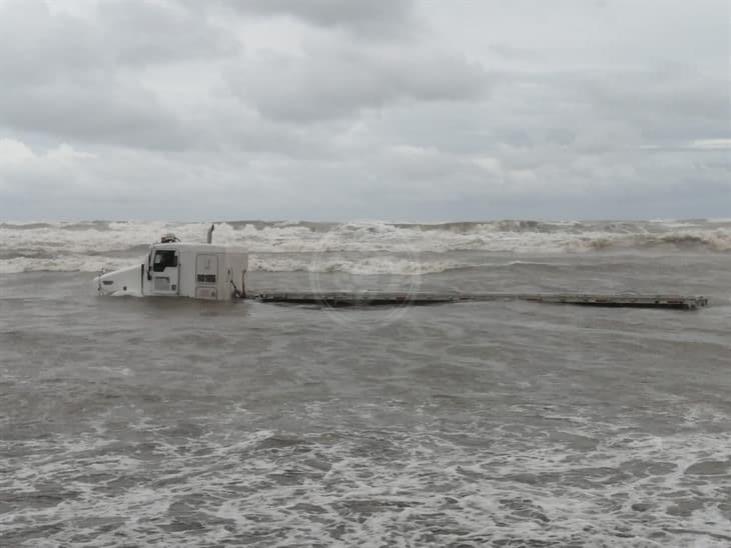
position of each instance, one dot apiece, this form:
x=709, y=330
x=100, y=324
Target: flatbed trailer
x=376, y=298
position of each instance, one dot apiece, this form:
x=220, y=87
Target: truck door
x=206, y=276
x=165, y=272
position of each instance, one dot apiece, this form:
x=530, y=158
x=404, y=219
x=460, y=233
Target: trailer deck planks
x=375, y=298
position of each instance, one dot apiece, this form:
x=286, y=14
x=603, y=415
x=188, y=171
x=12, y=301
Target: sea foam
x=381, y=247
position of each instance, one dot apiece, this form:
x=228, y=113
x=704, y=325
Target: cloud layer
x=404, y=110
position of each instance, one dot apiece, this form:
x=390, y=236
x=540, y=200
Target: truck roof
x=200, y=247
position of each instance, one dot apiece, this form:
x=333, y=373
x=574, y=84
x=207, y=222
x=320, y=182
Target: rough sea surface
x=173, y=422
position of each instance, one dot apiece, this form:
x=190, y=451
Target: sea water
x=128, y=421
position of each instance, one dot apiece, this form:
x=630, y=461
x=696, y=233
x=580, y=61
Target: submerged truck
x=217, y=273
x=176, y=269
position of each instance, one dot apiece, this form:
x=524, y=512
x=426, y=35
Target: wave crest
x=88, y=246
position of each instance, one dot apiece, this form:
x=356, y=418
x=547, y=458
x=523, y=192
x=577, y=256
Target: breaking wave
x=291, y=246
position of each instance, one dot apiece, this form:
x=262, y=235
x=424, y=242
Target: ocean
x=172, y=422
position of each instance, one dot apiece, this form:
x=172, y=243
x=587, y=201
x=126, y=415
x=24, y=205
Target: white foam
x=89, y=247
x=73, y=263
x=364, y=266
x=413, y=482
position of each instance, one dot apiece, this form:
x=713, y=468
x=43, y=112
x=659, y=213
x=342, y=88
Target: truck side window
x=164, y=259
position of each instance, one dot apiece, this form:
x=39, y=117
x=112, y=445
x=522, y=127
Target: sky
x=402, y=110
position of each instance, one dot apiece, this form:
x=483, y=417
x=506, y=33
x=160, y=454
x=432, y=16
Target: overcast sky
x=419, y=110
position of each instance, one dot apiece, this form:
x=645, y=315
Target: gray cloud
x=328, y=83
x=153, y=33
x=94, y=109
x=46, y=45
x=394, y=18
x=321, y=109
x=666, y=103
x=79, y=78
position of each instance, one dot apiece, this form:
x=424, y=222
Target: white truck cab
x=176, y=269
